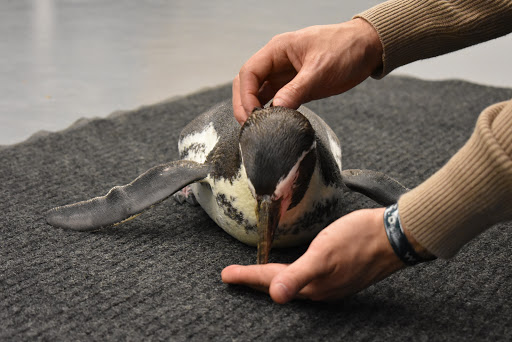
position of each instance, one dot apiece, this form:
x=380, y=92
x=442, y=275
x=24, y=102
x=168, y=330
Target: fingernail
x=281, y=102
x=277, y=102
x=284, y=292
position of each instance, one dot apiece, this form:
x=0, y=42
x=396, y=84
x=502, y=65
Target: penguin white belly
x=231, y=205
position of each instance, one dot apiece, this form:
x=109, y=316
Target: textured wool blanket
x=157, y=277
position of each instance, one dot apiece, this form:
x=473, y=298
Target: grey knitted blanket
x=158, y=277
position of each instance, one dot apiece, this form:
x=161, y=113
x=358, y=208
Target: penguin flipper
x=125, y=202
x=376, y=185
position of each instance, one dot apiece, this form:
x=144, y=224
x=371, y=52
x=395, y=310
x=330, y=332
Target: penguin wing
x=376, y=185
x=127, y=201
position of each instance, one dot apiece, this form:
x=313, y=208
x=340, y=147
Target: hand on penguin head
x=278, y=150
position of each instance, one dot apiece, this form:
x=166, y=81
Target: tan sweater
x=473, y=190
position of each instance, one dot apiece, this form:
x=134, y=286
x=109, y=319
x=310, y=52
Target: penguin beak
x=268, y=215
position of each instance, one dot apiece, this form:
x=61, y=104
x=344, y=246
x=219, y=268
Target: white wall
x=62, y=60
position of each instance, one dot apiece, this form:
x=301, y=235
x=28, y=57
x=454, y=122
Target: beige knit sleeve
x=470, y=193
x=411, y=30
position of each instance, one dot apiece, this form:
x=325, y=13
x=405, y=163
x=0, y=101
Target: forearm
x=412, y=30
x=470, y=193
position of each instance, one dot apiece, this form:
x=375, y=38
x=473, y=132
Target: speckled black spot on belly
x=233, y=213
x=324, y=213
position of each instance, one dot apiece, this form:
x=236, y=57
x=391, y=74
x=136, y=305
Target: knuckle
x=242, y=72
x=317, y=248
x=282, y=40
x=295, y=89
x=321, y=239
x=294, y=94
x=277, y=38
x=246, y=73
x=324, y=253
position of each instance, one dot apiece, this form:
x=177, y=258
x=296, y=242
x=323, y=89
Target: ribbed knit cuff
x=414, y=30
x=470, y=193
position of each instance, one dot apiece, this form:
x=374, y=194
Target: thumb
x=295, y=92
x=288, y=283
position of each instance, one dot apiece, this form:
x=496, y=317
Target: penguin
x=276, y=181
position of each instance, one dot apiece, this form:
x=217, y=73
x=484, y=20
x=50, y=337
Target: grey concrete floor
x=62, y=60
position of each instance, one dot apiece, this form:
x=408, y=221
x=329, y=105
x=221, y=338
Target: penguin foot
x=186, y=195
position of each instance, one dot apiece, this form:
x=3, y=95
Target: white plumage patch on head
x=285, y=184
x=284, y=188
x=335, y=149
x=198, y=145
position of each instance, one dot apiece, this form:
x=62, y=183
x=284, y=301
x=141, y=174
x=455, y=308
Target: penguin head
x=278, y=150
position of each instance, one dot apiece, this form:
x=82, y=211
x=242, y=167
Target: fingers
x=347, y=256
x=283, y=282
x=260, y=77
x=257, y=276
x=255, y=85
x=298, y=90
x=238, y=109
x=288, y=283
x=266, y=93
x=250, y=79
x=295, y=90
x=246, y=91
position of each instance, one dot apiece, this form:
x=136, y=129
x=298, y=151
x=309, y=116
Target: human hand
x=312, y=63
x=349, y=255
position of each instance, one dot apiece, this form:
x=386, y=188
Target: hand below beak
x=268, y=214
